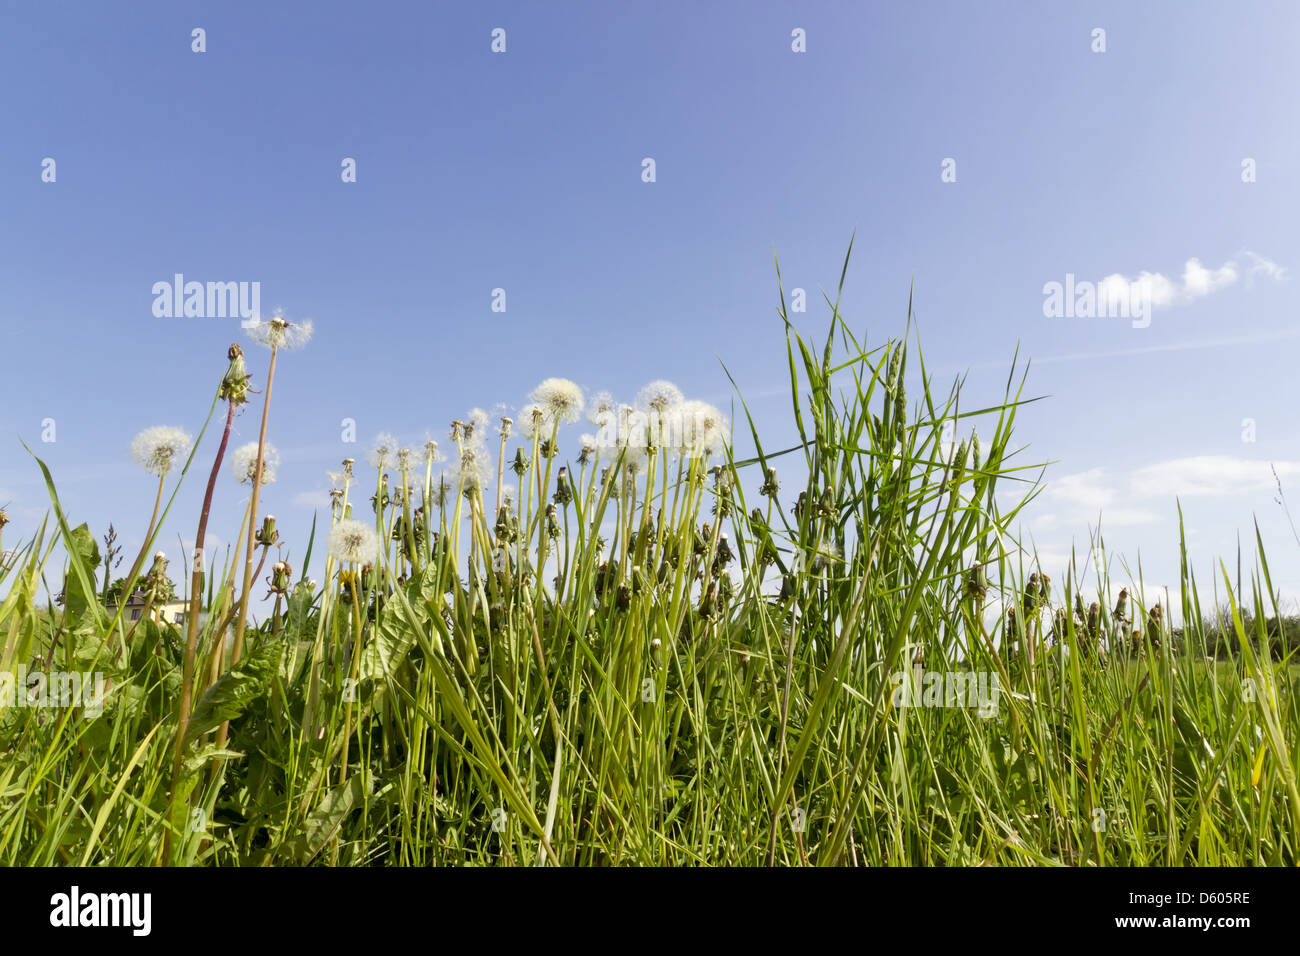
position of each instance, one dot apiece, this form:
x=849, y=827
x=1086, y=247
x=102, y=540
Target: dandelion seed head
x=561, y=398
x=828, y=554
x=157, y=449
x=600, y=410
x=473, y=470
x=244, y=463
x=383, y=450
x=431, y=453
x=476, y=427
x=442, y=490
x=701, y=428
x=636, y=458
x=353, y=542
x=659, y=396
x=534, y=420
x=277, y=332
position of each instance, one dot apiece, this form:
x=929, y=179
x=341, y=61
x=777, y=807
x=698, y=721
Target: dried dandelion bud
x=280, y=575
x=562, y=493
x=267, y=535
x=520, y=464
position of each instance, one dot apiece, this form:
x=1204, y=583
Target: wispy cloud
x=1208, y=475
x=1259, y=266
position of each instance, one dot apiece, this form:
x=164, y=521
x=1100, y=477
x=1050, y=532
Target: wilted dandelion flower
x=561, y=398
x=156, y=449
x=277, y=332
x=383, y=450
x=244, y=463
x=659, y=396
x=354, y=542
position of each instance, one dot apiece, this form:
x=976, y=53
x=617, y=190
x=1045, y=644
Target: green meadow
x=598, y=633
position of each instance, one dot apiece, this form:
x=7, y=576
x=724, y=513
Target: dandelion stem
x=148, y=537
x=192, y=629
x=242, y=617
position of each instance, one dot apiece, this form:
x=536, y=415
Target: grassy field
x=646, y=651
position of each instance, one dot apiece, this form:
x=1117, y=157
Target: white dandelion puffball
x=535, y=420
x=659, y=396
x=473, y=470
x=561, y=398
x=384, y=450
x=478, y=423
x=277, y=332
x=601, y=409
x=702, y=429
x=244, y=463
x=157, y=449
x=354, y=542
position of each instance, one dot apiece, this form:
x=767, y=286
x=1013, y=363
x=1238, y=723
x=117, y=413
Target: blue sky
x=522, y=171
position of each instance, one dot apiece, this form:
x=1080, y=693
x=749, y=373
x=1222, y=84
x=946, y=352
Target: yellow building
x=164, y=612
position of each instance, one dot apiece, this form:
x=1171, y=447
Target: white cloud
x=311, y=500
x=1209, y=475
x=1197, y=282
x=1087, y=494
x=1087, y=489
